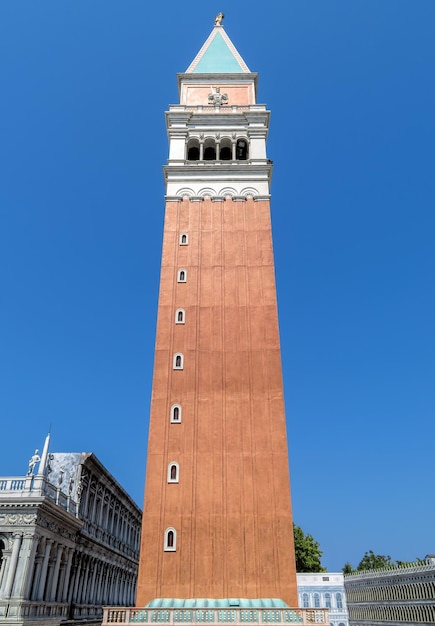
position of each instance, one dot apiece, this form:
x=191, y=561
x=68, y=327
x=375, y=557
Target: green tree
x=371, y=560
x=307, y=552
x=348, y=569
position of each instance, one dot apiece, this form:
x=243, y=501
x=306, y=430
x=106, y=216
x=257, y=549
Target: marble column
x=90, y=599
x=106, y=578
x=109, y=599
x=106, y=517
x=44, y=569
x=94, y=505
x=77, y=578
x=86, y=502
x=27, y=557
x=37, y=569
x=13, y=565
x=116, y=586
x=55, y=577
x=83, y=580
x=63, y=597
x=99, y=584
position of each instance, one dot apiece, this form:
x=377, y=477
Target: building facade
x=324, y=590
x=404, y=595
x=69, y=541
x=217, y=519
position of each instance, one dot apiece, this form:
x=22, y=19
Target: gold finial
x=218, y=19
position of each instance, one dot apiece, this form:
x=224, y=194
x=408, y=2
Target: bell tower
x=217, y=519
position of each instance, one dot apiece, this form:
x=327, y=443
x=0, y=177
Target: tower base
x=207, y=611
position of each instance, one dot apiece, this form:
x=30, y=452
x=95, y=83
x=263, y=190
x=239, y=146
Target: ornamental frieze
x=56, y=529
x=18, y=519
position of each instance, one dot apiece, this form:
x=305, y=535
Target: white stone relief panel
x=227, y=192
x=199, y=191
x=207, y=192
x=249, y=192
x=185, y=192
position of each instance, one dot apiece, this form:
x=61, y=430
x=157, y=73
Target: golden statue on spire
x=218, y=19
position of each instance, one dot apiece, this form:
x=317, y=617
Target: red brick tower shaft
x=217, y=519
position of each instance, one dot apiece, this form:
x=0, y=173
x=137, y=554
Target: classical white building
x=325, y=590
x=400, y=595
x=69, y=541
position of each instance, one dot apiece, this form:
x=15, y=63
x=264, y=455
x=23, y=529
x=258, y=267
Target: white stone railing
x=36, y=610
x=412, y=568
x=14, y=484
x=224, y=108
x=209, y=616
x=15, y=487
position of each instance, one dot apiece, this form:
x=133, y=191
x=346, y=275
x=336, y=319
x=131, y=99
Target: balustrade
x=303, y=617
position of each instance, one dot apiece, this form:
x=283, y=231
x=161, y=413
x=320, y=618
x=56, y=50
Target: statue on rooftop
x=218, y=19
x=32, y=463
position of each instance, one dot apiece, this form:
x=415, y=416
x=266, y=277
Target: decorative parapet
x=412, y=568
x=14, y=488
x=236, y=616
x=15, y=484
x=15, y=610
x=211, y=108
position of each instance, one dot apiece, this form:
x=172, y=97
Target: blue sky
x=82, y=141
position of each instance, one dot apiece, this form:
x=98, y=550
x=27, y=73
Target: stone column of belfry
x=217, y=519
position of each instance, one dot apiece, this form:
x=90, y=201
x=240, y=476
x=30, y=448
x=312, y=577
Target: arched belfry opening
x=193, y=150
x=226, y=152
x=242, y=149
x=209, y=150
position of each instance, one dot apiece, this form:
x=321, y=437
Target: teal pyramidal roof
x=218, y=55
x=212, y=603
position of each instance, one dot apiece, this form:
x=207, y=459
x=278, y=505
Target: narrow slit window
x=178, y=361
x=173, y=473
x=176, y=413
x=182, y=276
x=180, y=316
x=184, y=239
x=170, y=542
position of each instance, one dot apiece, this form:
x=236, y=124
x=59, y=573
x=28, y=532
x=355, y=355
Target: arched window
x=184, y=239
x=180, y=316
x=178, y=363
x=316, y=598
x=225, y=152
x=339, y=600
x=173, y=473
x=176, y=413
x=182, y=276
x=241, y=149
x=209, y=150
x=170, y=541
x=193, y=150
x=328, y=600
x=305, y=601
